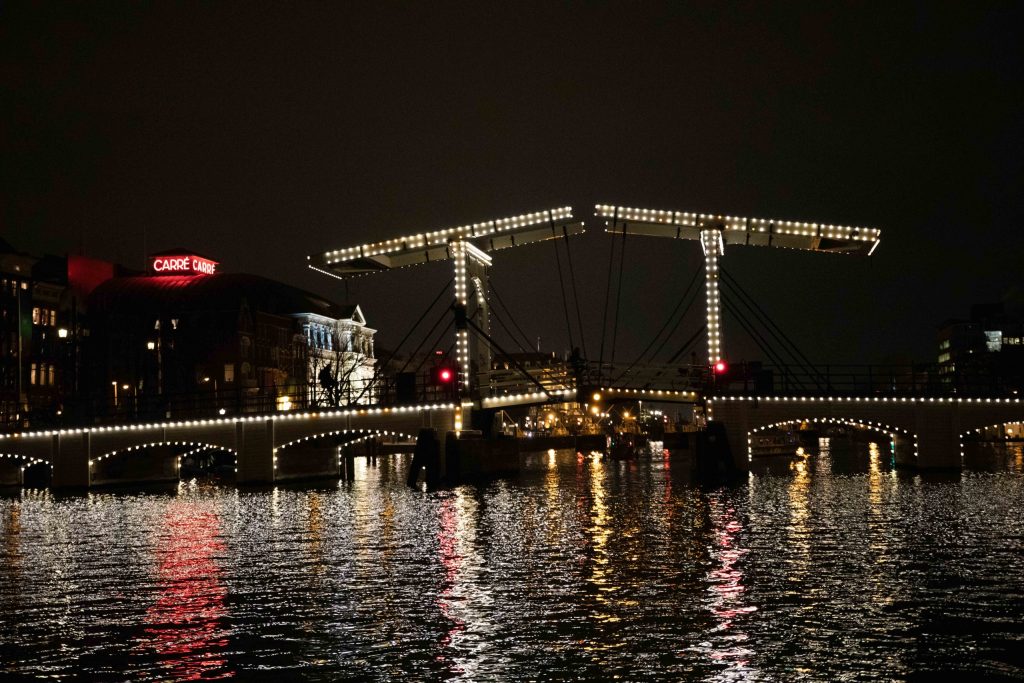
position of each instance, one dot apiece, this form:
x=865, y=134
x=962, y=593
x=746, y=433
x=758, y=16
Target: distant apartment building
x=984, y=353
x=41, y=328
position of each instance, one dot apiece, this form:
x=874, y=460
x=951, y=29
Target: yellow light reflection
x=12, y=549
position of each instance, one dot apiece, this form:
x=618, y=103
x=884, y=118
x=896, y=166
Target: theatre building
x=185, y=338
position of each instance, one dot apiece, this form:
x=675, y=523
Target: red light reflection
x=727, y=588
x=451, y=559
x=184, y=626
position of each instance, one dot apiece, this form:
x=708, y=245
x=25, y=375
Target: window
x=53, y=318
x=32, y=374
x=229, y=372
x=993, y=340
x=50, y=377
x=36, y=315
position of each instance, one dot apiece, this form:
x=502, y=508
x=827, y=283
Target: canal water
x=833, y=567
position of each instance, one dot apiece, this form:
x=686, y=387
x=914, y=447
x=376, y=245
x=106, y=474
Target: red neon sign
x=186, y=264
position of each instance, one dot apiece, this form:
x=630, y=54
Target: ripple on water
x=580, y=568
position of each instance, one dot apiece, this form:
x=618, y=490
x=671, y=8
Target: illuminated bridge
x=925, y=424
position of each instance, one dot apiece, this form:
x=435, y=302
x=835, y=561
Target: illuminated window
x=50, y=377
x=993, y=340
x=35, y=316
x=229, y=372
x=32, y=374
x=53, y=318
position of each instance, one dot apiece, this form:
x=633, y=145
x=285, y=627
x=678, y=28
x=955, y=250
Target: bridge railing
x=663, y=377
x=131, y=405
x=910, y=379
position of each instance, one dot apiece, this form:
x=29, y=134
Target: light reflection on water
x=826, y=567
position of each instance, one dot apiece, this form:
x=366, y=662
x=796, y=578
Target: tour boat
x=775, y=444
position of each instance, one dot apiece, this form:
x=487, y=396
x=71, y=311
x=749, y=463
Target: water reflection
x=12, y=556
x=185, y=627
x=580, y=569
x=729, y=644
x=464, y=599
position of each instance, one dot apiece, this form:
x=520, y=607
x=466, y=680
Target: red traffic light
x=720, y=367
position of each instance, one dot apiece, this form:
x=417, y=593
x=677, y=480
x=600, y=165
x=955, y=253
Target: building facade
x=82, y=339
x=341, y=363
x=985, y=353
x=185, y=337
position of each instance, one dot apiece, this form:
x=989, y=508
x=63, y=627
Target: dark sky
x=259, y=133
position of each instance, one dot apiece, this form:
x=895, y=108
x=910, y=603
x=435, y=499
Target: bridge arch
x=27, y=459
x=320, y=458
x=96, y=462
x=360, y=434
x=892, y=431
x=25, y=464
x=974, y=434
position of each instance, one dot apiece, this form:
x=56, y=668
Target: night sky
x=259, y=133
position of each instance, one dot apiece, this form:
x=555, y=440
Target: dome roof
x=219, y=292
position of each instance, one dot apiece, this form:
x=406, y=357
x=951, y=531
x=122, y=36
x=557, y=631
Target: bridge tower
x=469, y=247
x=714, y=232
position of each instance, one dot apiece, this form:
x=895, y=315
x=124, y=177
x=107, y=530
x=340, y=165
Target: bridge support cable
x=788, y=346
x=525, y=350
x=437, y=341
x=447, y=328
x=779, y=333
x=501, y=322
x=575, y=293
x=689, y=343
x=509, y=358
x=512, y=319
x=668, y=320
x=518, y=343
x=759, y=339
x=419, y=347
x=607, y=296
x=618, y=300
x=375, y=378
x=561, y=283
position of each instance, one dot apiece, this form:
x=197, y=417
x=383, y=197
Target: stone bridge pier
x=930, y=430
